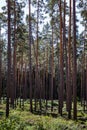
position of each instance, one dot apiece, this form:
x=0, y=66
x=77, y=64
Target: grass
x=24, y=120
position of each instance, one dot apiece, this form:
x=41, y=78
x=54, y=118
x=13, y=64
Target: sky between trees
x=81, y=28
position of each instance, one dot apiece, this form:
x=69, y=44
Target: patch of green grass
x=24, y=120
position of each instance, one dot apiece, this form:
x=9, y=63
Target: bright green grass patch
x=24, y=120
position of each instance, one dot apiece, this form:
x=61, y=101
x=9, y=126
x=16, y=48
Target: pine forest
x=43, y=64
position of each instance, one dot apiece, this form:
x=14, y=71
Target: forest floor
x=24, y=120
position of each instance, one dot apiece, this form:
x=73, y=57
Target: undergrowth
x=24, y=120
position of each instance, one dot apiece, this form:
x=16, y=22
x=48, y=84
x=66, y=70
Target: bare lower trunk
x=9, y=60
x=74, y=63
x=30, y=67
x=0, y=65
x=61, y=87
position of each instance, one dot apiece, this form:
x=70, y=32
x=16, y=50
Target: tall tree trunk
x=61, y=87
x=83, y=78
x=9, y=59
x=46, y=77
x=69, y=67
x=86, y=82
x=74, y=63
x=65, y=52
x=14, y=57
x=25, y=83
x=21, y=79
x=30, y=66
x=36, y=67
x=0, y=65
x=81, y=84
x=52, y=63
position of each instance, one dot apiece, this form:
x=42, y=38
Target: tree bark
x=0, y=65
x=69, y=67
x=9, y=59
x=30, y=66
x=14, y=58
x=61, y=87
x=74, y=63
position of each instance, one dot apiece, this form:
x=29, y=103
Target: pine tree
x=74, y=63
x=9, y=59
x=30, y=66
x=0, y=63
x=61, y=87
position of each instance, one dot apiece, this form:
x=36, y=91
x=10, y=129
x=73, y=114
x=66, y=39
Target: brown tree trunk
x=14, y=59
x=52, y=63
x=61, y=87
x=46, y=78
x=65, y=52
x=86, y=82
x=30, y=66
x=36, y=67
x=0, y=65
x=9, y=59
x=81, y=84
x=74, y=63
x=25, y=83
x=21, y=79
x=69, y=95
